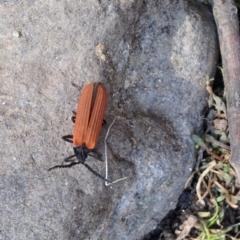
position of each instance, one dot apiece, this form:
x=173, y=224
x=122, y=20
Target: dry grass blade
x=227, y=195
x=198, y=187
x=208, y=187
x=189, y=180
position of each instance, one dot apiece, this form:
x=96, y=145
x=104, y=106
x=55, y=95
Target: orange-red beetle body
x=89, y=116
x=88, y=124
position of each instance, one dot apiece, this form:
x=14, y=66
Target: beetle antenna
x=64, y=166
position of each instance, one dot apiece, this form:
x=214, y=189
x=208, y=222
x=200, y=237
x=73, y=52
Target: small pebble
x=17, y=34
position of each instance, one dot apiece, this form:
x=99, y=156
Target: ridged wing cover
x=96, y=120
x=83, y=115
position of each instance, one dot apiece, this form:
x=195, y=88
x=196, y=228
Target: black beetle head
x=81, y=153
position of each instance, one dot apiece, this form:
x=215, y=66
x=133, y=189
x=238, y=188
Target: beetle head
x=81, y=153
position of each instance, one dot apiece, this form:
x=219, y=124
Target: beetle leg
x=74, y=116
x=68, y=138
x=96, y=155
x=68, y=159
x=104, y=122
x=96, y=173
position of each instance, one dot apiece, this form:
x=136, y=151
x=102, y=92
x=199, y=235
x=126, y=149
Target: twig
x=225, y=14
x=106, y=158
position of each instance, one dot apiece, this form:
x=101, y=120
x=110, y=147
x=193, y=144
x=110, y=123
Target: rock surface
x=153, y=58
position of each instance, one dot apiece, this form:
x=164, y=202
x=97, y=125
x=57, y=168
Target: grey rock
x=153, y=58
